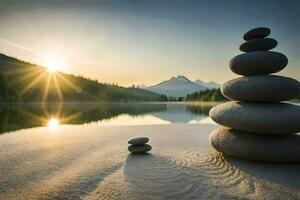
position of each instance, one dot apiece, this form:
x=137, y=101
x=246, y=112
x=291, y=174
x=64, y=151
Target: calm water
x=23, y=116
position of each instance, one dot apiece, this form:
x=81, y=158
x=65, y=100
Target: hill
x=23, y=81
x=178, y=86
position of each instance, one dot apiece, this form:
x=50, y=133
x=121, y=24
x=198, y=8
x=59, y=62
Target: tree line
x=215, y=95
x=207, y=95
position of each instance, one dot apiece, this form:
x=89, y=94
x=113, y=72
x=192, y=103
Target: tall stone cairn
x=257, y=125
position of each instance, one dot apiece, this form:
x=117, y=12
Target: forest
x=207, y=95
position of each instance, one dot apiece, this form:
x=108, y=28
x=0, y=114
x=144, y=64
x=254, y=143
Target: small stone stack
x=138, y=145
x=257, y=125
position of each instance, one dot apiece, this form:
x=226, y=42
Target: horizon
x=138, y=85
x=144, y=42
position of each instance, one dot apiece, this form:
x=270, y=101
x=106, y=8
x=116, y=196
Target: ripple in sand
x=161, y=170
x=183, y=175
x=210, y=168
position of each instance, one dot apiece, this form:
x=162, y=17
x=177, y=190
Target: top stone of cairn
x=257, y=33
x=138, y=140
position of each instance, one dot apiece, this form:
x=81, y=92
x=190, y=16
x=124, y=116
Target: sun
x=53, y=63
x=53, y=122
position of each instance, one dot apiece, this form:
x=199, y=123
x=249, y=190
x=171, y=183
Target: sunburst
x=53, y=63
x=50, y=81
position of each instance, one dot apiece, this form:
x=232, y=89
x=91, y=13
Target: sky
x=145, y=41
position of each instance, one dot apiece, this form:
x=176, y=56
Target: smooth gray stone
x=279, y=148
x=255, y=33
x=264, y=44
x=138, y=140
x=144, y=148
x=258, y=63
x=260, y=118
x=261, y=88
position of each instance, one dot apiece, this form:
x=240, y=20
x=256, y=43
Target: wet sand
x=92, y=162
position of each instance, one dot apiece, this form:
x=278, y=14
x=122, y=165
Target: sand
x=92, y=162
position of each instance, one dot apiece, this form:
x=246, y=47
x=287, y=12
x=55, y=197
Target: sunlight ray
x=34, y=82
x=24, y=75
x=21, y=70
x=31, y=74
x=58, y=89
x=59, y=109
x=69, y=83
x=46, y=90
x=34, y=116
x=45, y=110
x=70, y=118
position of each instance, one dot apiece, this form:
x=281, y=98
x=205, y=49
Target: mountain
x=212, y=85
x=23, y=81
x=178, y=86
x=209, y=85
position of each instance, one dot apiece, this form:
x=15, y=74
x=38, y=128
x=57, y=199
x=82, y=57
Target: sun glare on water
x=53, y=122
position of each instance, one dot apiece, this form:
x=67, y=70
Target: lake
x=30, y=115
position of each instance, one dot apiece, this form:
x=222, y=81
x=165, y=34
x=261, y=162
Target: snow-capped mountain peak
x=179, y=86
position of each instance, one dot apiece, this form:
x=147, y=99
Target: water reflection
x=53, y=122
x=21, y=116
x=128, y=120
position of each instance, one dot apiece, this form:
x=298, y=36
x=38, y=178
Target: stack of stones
x=257, y=125
x=138, y=145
